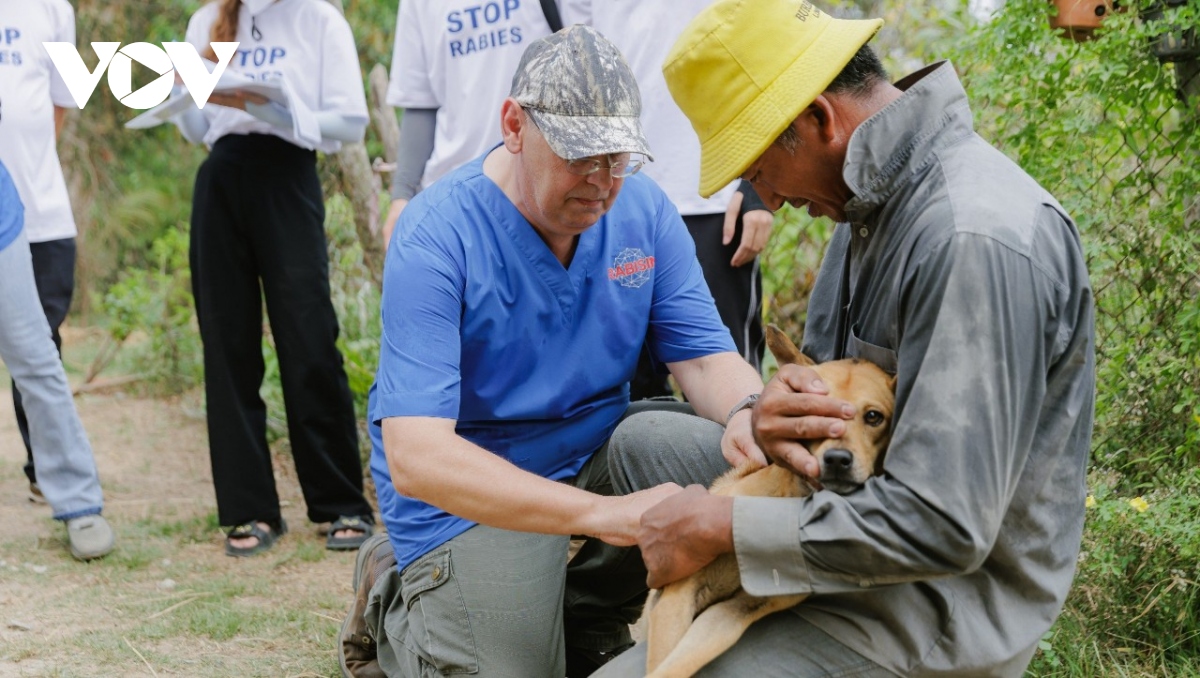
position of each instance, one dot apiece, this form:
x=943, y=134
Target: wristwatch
x=743, y=404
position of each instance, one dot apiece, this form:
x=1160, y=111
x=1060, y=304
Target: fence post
x=1187, y=74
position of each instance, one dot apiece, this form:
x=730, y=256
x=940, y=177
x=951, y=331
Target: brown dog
x=694, y=620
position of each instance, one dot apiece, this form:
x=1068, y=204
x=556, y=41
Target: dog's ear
x=783, y=349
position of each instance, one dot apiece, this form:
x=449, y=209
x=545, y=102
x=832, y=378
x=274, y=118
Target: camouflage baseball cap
x=581, y=95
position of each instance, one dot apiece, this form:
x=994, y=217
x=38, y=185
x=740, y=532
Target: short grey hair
x=788, y=139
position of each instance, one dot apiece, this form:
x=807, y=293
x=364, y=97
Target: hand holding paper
x=236, y=99
x=231, y=89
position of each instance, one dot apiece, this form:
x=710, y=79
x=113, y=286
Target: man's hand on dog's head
x=683, y=533
x=795, y=406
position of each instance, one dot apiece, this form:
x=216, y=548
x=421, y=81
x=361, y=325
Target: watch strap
x=743, y=404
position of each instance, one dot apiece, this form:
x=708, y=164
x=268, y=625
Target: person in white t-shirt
x=258, y=219
x=37, y=100
x=452, y=64
x=731, y=227
x=37, y=271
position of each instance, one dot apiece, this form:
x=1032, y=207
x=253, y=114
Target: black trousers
x=258, y=220
x=54, y=274
x=736, y=291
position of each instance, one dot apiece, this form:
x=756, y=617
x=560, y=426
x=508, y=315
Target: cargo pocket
x=438, y=629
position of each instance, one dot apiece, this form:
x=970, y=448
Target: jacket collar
x=896, y=143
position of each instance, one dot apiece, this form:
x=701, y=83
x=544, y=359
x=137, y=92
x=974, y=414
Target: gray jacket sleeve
x=417, y=127
x=981, y=327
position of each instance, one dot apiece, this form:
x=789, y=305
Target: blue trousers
x=66, y=469
x=54, y=275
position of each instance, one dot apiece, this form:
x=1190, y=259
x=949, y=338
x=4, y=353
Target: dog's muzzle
x=838, y=471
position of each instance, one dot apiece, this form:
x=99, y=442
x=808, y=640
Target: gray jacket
x=967, y=279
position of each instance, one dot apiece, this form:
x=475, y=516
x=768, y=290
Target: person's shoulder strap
x=550, y=9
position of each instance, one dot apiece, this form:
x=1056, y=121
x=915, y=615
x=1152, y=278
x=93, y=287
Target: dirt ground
x=59, y=617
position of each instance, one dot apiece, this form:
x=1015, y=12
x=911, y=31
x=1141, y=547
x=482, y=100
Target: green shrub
x=151, y=311
x=1136, y=599
x=154, y=306
x=1101, y=126
x=789, y=268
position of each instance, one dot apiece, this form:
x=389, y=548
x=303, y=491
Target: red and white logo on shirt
x=631, y=268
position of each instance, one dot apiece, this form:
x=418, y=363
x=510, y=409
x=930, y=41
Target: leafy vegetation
x=1138, y=586
x=1100, y=124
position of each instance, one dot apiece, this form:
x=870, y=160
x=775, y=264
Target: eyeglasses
x=623, y=165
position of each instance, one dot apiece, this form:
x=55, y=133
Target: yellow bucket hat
x=744, y=69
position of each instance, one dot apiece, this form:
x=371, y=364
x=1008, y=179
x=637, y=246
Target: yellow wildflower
x=1090, y=502
x=1139, y=504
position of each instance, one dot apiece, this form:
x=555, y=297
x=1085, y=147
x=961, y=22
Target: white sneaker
x=90, y=537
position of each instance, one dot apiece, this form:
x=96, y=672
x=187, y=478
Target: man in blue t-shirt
x=518, y=292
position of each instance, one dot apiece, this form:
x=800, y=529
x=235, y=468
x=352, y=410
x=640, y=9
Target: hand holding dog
x=617, y=520
x=683, y=533
x=738, y=444
x=795, y=406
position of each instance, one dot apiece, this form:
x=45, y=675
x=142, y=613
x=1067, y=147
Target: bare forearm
x=715, y=383
x=468, y=481
x=459, y=477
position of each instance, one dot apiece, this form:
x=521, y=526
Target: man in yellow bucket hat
x=951, y=268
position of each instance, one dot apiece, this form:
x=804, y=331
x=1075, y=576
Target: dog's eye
x=873, y=417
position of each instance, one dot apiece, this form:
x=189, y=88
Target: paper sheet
x=177, y=103
x=305, y=127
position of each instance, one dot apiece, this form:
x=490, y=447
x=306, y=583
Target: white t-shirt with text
x=30, y=88
x=459, y=56
x=308, y=43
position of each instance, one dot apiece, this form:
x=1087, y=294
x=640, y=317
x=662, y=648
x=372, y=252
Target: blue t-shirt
x=483, y=325
x=12, y=212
